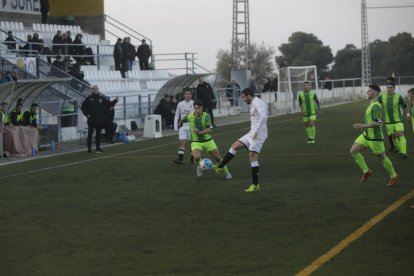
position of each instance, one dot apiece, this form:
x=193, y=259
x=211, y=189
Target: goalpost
x=291, y=81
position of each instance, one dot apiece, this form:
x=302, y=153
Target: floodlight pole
x=365, y=54
x=241, y=35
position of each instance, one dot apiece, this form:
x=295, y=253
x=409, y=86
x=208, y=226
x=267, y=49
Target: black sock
x=255, y=175
x=181, y=155
x=225, y=160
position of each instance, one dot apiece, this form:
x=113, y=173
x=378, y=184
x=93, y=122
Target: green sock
x=225, y=169
x=312, y=132
x=388, y=167
x=397, y=144
x=308, y=132
x=403, y=145
x=359, y=159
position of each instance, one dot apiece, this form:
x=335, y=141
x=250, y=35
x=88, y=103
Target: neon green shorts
x=309, y=118
x=204, y=146
x=393, y=128
x=377, y=147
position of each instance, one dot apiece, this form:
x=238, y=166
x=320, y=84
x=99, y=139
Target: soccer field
x=131, y=211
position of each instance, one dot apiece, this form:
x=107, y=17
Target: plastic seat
x=3, y=25
x=21, y=26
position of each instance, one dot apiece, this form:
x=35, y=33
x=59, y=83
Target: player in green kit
x=372, y=138
x=309, y=104
x=392, y=104
x=201, y=140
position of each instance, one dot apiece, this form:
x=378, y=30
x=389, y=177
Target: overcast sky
x=205, y=26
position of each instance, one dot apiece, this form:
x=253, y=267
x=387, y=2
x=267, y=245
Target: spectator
x=30, y=116
x=80, y=50
x=94, y=107
x=205, y=93
x=10, y=41
x=253, y=86
x=166, y=109
x=58, y=67
x=110, y=125
x=7, y=78
x=67, y=44
x=57, y=42
x=16, y=115
x=4, y=117
x=38, y=45
x=144, y=53
x=118, y=54
x=44, y=10
x=232, y=91
x=28, y=46
x=79, y=76
x=69, y=36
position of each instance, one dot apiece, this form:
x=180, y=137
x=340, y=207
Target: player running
x=201, y=140
x=372, y=138
x=309, y=104
x=392, y=104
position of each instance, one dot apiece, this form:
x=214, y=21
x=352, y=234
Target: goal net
x=291, y=81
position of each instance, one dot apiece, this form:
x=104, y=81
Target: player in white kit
x=184, y=107
x=253, y=140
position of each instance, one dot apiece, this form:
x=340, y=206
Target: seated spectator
x=4, y=117
x=16, y=115
x=10, y=41
x=58, y=63
x=28, y=47
x=7, y=78
x=80, y=50
x=57, y=43
x=166, y=108
x=69, y=36
x=79, y=82
x=30, y=116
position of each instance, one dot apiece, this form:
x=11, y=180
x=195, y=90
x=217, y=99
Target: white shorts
x=253, y=145
x=184, y=134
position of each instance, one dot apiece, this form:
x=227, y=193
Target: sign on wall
x=21, y=6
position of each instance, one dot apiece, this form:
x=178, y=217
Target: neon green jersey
x=373, y=114
x=308, y=102
x=200, y=123
x=392, y=107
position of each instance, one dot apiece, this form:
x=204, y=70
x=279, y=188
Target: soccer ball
x=206, y=164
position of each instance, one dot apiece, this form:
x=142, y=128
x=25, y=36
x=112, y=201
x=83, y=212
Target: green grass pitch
x=131, y=211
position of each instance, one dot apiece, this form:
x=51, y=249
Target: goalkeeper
x=201, y=140
x=309, y=104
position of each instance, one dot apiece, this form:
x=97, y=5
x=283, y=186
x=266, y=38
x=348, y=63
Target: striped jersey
x=308, y=102
x=373, y=114
x=392, y=107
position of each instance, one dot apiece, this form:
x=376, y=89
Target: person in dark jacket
x=94, y=107
x=144, y=53
x=30, y=116
x=204, y=93
x=128, y=56
x=44, y=10
x=10, y=41
x=118, y=54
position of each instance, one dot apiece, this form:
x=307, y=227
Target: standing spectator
x=44, y=10
x=144, y=53
x=10, y=41
x=204, y=93
x=232, y=91
x=30, y=116
x=94, y=108
x=253, y=86
x=118, y=54
x=57, y=42
x=128, y=56
x=4, y=117
x=253, y=140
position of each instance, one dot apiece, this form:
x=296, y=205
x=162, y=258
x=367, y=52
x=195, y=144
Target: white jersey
x=183, y=108
x=258, y=117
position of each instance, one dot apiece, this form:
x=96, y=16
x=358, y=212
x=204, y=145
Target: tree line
x=303, y=49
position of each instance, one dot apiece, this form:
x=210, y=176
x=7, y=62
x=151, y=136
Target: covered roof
x=40, y=91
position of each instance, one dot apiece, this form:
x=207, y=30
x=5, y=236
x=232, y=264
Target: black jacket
x=205, y=93
x=94, y=107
